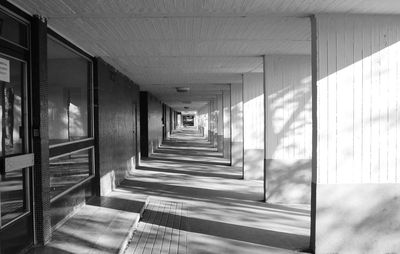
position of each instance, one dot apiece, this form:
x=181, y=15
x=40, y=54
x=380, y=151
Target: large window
x=69, y=79
x=67, y=170
x=70, y=117
x=13, y=202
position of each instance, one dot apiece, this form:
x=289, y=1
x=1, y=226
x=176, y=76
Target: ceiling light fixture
x=182, y=89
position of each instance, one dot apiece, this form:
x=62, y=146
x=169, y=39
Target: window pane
x=12, y=30
x=11, y=108
x=12, y=195
x=69, y=170
x=68, y=94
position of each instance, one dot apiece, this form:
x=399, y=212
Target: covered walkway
x=192, y=204
x=188, y=126
x=207, y=206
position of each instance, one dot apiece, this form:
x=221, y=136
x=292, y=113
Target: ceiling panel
x=146, y=8
x=188, y=78
x=180, y=42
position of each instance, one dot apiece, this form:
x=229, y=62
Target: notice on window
x=4, y=70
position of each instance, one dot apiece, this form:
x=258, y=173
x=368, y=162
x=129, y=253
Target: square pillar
x=237, y=124
x=356, y=140
x=41, y=173
x=253, y=117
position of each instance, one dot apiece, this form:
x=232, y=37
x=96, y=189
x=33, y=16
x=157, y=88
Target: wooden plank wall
x=253, y=99
x=288, y=95
x=237, y=124
x=358, y=99
x=288, y=129
x=237, y=112
x=203, y=115
x=227, y=113
x=253, y=115
x=227, y=123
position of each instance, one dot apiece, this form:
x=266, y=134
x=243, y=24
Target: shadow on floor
x=101, y=226
x=225, y=214
x=193, y=173
x=48, y=250
x=208, y=195
x=237, y=232
x=119, y=204
x=189, y=151
x=208, y=162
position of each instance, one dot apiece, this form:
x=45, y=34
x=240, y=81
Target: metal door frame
x=22, y=54
x=26, y=143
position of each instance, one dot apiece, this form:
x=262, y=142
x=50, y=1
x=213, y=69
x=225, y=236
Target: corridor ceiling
x=204, y=44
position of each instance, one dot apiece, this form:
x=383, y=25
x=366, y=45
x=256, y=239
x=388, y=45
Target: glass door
x=16, y=223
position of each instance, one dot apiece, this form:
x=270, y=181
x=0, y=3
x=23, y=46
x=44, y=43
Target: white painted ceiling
x=162, y=44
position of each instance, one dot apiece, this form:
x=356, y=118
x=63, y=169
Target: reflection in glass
x=11, y=131
x=12, y=196
x=69, y=170
x=12, y=191
x=69, y=81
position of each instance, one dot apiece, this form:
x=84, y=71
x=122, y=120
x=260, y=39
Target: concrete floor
x=224, y=213
x=102, y=226
x=195, y=204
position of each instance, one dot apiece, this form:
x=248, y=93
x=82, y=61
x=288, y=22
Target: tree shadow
x=119, y=204
x=188, y=151
x=206, y=195
x=193, y=173
x=247, y=234
x=189, y=160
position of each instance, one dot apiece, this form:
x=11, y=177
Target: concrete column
x=144, y=122
x=253, y=113
x=40, y=130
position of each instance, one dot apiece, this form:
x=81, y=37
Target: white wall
x=253, y=116
x=358, y=175
x=220, y=123
x=213, y=122
x=288, y=130
x=203, y=118
x=237, y=124
x=227, y=123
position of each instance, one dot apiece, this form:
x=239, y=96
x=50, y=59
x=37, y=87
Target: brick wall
x=117, y=98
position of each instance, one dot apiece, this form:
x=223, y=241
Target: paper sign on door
x=4, y=70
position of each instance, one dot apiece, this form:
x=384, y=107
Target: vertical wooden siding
x=253, y=116
x=227, y=114
x=219, y=114
x=203, y=115
x=253, y=99
x=237, y=112
x=237, y=124
x=358, y=99
x=288, y=95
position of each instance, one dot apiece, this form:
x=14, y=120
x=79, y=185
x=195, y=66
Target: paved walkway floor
x=104, y=225
x=197, y=206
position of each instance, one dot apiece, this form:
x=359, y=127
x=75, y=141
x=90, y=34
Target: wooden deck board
x=160, y=231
